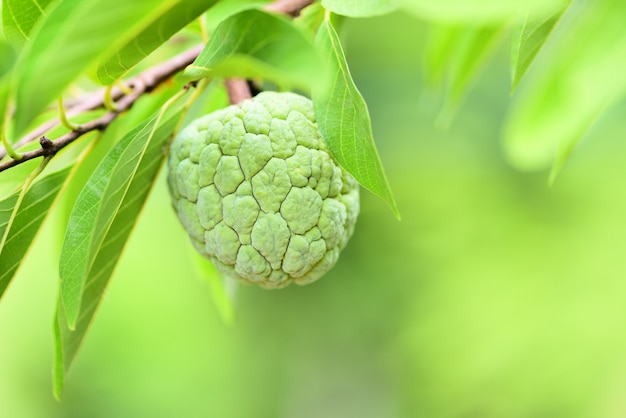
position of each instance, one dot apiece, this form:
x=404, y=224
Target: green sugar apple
x=259, y=194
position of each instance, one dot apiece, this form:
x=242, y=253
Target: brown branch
x=237, y=89
x=141, y=84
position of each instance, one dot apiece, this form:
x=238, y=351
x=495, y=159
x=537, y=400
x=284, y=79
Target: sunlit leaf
x=74, y=35
x=19, y=224
x=151, y=38
x=343, y=119
x=101, y=222
x=360, y=8
x=258, y=44
x=19, y=17
x=528, y=38
x=477, y=11
x=582, y=75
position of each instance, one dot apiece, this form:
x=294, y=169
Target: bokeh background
x=495, y=296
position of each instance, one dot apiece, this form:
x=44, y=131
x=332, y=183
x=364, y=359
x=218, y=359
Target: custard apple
x=259, y=194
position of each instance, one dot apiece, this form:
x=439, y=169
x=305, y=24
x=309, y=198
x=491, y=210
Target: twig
x=238, y=90
x=142, y=84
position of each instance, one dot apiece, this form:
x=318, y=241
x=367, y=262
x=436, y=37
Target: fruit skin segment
x=259, y=194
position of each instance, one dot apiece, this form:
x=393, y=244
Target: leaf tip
x=514, y=83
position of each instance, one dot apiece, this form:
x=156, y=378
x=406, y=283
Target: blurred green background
x=495, y=296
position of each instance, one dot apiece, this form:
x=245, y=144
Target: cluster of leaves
x=102, y=42
x=53, y=49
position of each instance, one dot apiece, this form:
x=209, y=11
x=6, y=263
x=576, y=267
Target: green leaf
x=100, y=223
x=528, y=38
x=359, y=8
x=151, y=38
x=477, y=11
x=455, y=55
x=258, y=44
x=344, y=121
x=19, y=17
x=74, y=35
x=19, y=223
x=580, y=77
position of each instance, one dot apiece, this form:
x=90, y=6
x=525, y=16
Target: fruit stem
x=238, y=90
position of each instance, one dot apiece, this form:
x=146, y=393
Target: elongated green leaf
x=74, y=35
x=344, y=120
x=118, y=179
x=151, y=38
x=258, y=44
x=100, y=224
x=477, y=11
x=19, y=17
x=455, y=55
x=360, y=8
x=581, y=76
x=527, y=40
x=19, y=224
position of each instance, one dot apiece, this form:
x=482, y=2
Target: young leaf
x=477, y=11
x=74, y=35
x=19, y=17
x=527, y=40
x=344, y=120
x=100, y=224
x=259, y=44
x=575, y=83
x=19, y=223
x=359, y=8
x=151, y=38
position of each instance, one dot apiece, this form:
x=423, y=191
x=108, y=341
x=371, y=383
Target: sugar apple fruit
x=259, y=194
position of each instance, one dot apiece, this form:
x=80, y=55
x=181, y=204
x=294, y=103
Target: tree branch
x=141, y=84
